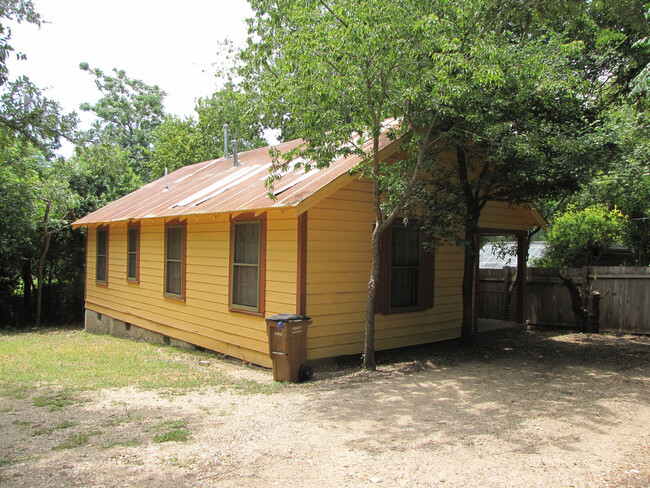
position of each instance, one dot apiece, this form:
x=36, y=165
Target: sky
x=167, y=43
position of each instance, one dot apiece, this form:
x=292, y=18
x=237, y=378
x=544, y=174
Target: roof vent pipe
x=234, y=153
x=166, y=186
x=225, y=141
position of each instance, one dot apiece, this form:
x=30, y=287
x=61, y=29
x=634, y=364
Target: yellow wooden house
x=203, y=256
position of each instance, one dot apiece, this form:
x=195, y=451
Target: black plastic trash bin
x=287, y=347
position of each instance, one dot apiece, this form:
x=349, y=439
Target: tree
x=580, y=237
x=27, y=114
x=532, y=135
x=179, y=142
x=472, y=77
x=18, y=178
x=20, y=11
x=100, y=174
x=56, y=204
x=337, y=70
x=127, y=115
x=34, y=189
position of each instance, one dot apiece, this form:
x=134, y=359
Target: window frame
x=133, y=227
x=175, y=224
x=392, y=267
x=261, y=266
x=102, y=229
x=426, y=275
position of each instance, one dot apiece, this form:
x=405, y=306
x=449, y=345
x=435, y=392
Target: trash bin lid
x=287, y=317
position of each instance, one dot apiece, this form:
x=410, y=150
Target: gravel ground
x=526, y=408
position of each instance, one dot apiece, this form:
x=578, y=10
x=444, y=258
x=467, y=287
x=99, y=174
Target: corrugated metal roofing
x=217, y=186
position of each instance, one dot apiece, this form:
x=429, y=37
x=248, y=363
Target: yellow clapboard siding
x=204, y=314
x=338, y=267
x=237, y=332
x=256, y=356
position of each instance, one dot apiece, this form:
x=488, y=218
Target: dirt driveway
x=520, y=409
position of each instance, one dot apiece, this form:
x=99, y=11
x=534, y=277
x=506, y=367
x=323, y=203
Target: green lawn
x=74, y=359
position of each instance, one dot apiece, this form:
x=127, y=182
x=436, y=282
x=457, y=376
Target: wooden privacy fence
x=624, y=296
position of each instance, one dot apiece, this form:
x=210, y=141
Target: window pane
x=245, y=286
x=133, y=240
x=102, y=248
x=404, y=266
x=101, y=242
x=175, y=243
x=101, y=268
x=174, y=278
x=247, y=238
x=132, y=254
x=404, y=287
x=132, y=267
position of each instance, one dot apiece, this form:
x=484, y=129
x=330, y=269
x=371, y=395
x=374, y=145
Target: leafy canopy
x=580, y=237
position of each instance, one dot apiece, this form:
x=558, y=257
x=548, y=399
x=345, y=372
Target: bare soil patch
x=532, y=408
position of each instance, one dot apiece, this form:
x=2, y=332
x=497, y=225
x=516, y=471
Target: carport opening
x=500, y=284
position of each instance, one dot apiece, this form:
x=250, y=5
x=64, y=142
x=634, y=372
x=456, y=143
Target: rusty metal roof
x=217, y=186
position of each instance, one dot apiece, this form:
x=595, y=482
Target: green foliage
x=19, y=11
x=100, y=174
x=579, y=237
x=178, y=142
x=25, y=113
x=127, y=114
x=233, y=106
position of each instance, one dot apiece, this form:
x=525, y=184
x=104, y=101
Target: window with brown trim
x=133, y=253
x=101, y=270
x=247, y=263
x=175, y=260
x=406, y=273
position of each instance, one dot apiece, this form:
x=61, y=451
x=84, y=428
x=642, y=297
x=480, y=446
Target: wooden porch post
x=522, y=258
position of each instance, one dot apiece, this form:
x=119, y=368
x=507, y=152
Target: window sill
x=246, y=312
x=177, y=298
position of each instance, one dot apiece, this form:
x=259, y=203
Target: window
x=404, y=267
x=247, y=265
x=175, y=260
x=133, y=253
x=101, y=270
x=406, y=272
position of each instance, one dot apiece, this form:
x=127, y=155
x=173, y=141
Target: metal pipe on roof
x=166, y=186
x=234, y=153
x=225, y=141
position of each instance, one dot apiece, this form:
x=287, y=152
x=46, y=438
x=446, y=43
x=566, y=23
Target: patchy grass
x=133, y=442
x=56, y=400
x=74, y=361
x=73, y=440
x=172, y=431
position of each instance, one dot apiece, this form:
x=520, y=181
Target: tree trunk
x=510, y=289
x=47, y=236
x=579, y=310
x=380, y=225
x=27, y=291
x=466, y=330
x=471, y=224
x=369, y=344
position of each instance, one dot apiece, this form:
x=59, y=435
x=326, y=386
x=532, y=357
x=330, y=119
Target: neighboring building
x=204, y=255
x=491, y=258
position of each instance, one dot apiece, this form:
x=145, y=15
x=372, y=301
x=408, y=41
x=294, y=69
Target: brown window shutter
x=381, y=299
x=427, y=275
